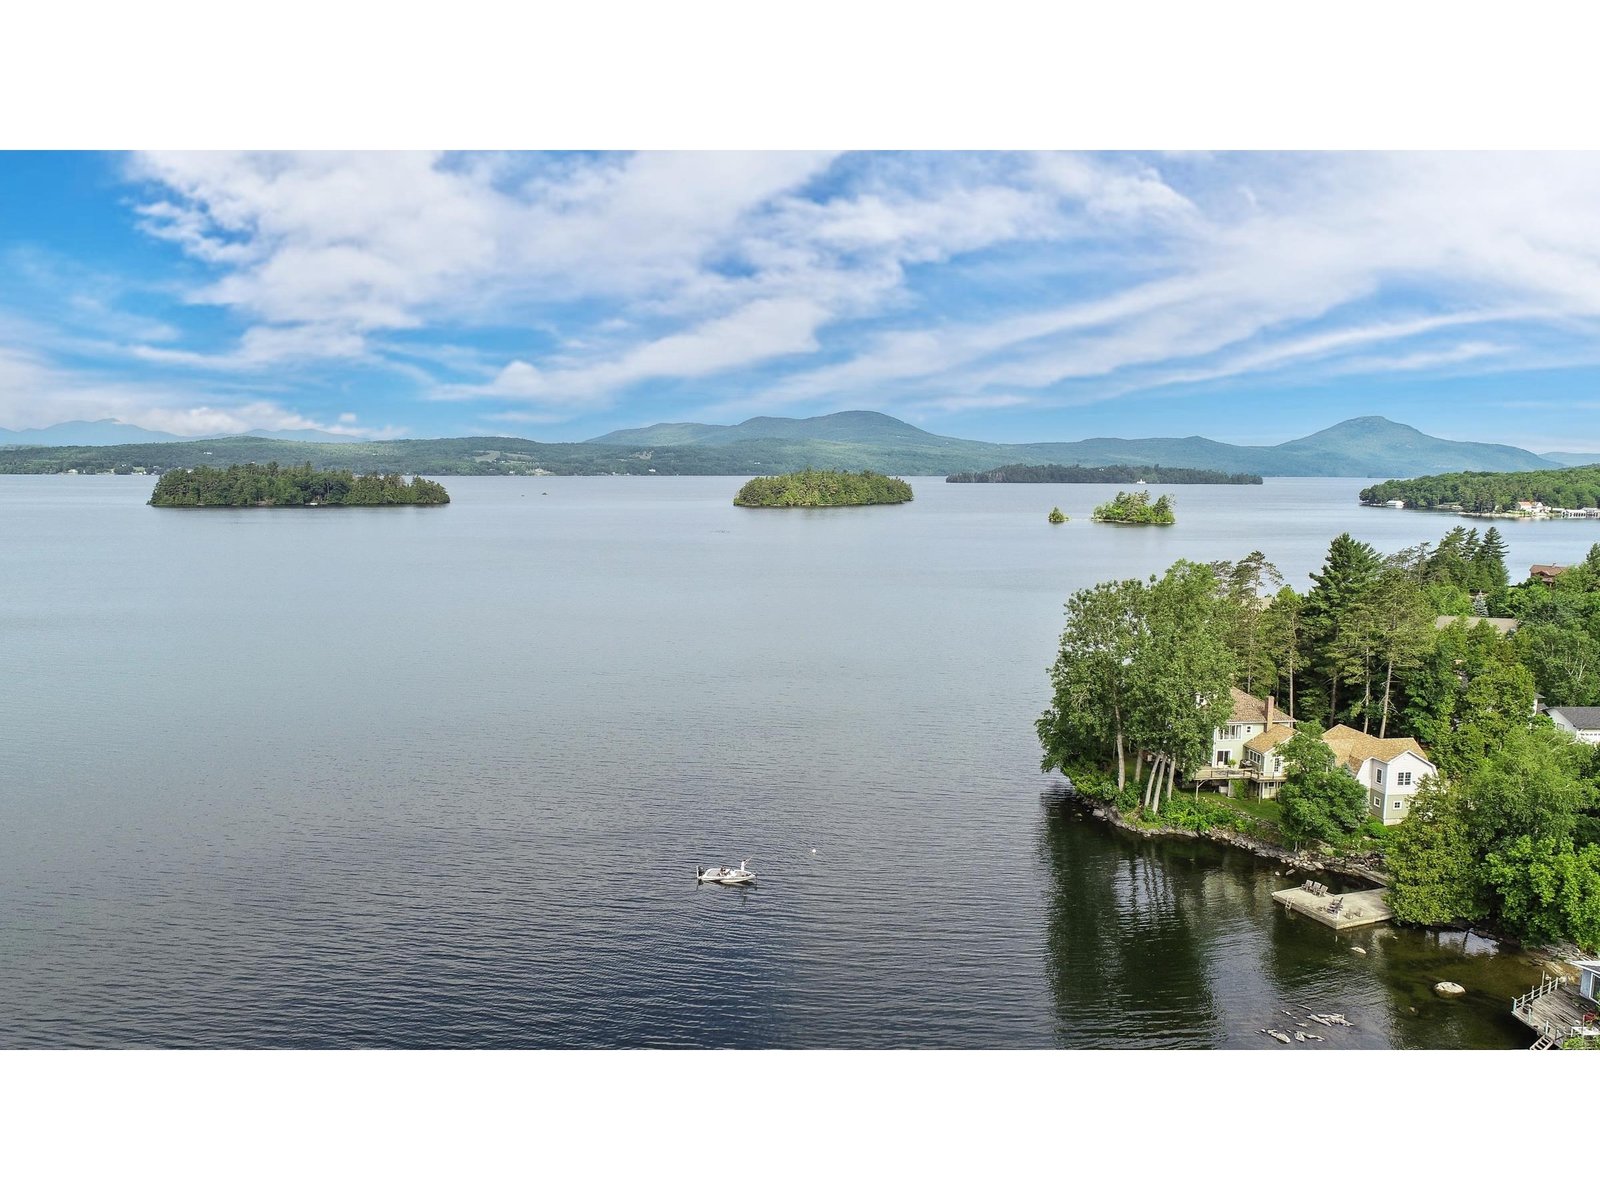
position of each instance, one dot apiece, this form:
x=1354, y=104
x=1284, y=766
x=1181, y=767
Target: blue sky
x=1012, y=297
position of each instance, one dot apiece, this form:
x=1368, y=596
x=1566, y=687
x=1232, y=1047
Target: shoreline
x=1548, y=958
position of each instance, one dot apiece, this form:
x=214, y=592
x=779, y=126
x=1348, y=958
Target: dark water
x=441, y=778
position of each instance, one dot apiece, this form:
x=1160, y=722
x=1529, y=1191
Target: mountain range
x=1370, y=447
x=112, y=432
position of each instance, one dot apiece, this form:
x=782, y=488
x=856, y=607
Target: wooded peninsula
x=1427, y=662
x=254, y=485
x=1490, y=492
x=1136, y=508
x=1056, y=473
x=822, y=489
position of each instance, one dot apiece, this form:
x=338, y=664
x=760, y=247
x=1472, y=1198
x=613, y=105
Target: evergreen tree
x=1350, y=570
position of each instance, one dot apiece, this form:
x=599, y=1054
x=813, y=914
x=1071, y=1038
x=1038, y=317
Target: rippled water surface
x=442, y=778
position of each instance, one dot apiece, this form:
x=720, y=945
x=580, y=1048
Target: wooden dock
x=1556, y=1012
x=1348, y=911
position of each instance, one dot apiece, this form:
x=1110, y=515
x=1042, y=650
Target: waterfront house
x=1264, y=760
x=1589, y=980
x=1389, y=768
x=1581, y=723
x=1250, y=716
x=1545, y=573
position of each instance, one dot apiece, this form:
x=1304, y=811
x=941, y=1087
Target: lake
x=418, y=777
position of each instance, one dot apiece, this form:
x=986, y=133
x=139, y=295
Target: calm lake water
x=441, y=778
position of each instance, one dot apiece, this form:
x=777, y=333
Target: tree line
x=1509, y=834
x=1055, y=473
x=245, y=485
x=1493, y=491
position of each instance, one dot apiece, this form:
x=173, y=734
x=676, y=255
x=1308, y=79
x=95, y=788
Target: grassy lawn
x=1266, y=811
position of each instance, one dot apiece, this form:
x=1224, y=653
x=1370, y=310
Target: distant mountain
x=111, y=432
x=291, y=435
x=108, y=432
x=1370, y=446
x=1375, y=445
x=1363, y=447
x=1568, y=458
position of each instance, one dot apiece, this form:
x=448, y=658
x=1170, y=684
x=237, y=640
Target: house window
x=1397, y=804
x=1380, y=774
x=1403, y=779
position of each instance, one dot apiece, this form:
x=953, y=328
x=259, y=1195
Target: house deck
x=1357, y=909
x=1555, y=1010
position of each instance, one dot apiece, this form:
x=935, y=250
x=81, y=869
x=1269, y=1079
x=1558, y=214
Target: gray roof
x=1580, y=718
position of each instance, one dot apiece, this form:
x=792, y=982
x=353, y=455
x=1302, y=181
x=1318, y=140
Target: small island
x=1056, y=473
x=254, y=485
x=1136, y=508
x=1057, y=517
x=822, y=489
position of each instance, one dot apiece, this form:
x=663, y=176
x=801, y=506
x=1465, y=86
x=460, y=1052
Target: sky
x=1249, y=297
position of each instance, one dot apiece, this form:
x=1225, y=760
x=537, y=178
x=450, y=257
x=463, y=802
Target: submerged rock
x=1446, y=988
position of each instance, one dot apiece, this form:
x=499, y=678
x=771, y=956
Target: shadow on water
x=1124, y=959
x=1178, y=943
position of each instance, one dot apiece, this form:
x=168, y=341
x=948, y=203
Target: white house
x=1251, y=716
x=1262, y=757
x=1588, y=979
x=1389, y=768
x=1581, y=723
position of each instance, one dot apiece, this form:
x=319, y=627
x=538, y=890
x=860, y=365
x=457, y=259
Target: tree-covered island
x=1495, y=493
x=1056, y=473
x=1378, y=716
x=1136, y=508
x=257, y=485
x=822, y=489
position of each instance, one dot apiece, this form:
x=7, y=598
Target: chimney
x=1270, y=716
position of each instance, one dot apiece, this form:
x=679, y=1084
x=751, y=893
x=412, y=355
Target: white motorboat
x=739, y=874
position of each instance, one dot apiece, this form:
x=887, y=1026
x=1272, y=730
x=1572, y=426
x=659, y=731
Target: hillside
x=847, y=441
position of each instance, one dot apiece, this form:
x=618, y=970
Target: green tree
x=1549, y=890
x=1057, y=517
x=1351, y=568
x=1320, y=799
x=1433, y=864
x=1091, y=683
x=1282, y=632
x=1182, y=673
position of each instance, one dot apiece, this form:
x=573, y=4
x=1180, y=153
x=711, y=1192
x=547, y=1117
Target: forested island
x=257, y=485
x=822, y=489
x=1055, y=473
x=1136, y=508
x=1506, y=835
x=1491, y=493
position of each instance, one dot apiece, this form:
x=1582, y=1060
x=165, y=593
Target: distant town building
x=1545, y=573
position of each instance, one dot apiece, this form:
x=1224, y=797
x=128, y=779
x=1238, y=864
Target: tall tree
x=1282, y=634
x=1242, y=585
x=1350, y=570
x=1091, y=679
x=1182, y=671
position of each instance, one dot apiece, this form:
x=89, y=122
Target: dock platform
x=1349, y=911
x=1555, y=1011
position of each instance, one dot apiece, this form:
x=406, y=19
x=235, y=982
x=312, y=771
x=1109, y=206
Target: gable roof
x=1252, y=710
x=1247, y=708
x=1268, y=738
x=1354, y=747
x=1579, y=717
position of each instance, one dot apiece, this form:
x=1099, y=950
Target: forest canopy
x=254, y=485
x=822, y=489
